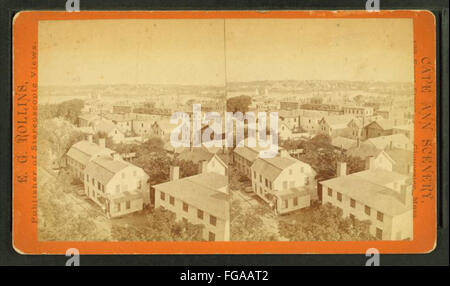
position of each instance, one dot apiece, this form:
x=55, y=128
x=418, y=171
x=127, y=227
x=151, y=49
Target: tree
x=239, y=103
x=161, y=226
x=324, y=223
x=153, y=144
x=155, y=164
x=247, y=225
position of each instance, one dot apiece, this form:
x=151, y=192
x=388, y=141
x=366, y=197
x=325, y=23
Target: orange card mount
x=94, y=167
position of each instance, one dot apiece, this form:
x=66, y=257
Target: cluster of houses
x=115, y=185
x=382, y=193
x=382, y=141
x=119, y=187
x=126, y=127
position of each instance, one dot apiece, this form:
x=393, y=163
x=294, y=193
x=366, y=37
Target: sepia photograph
x=225, y=129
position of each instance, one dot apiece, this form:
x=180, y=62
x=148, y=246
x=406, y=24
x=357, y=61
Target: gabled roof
x=366, y=189
x=247, y=153
x=363, y=151
x=383, y=124
x=337, y=121
x=105, y=126
x=195, y=155
x=400, y=156
x=342, y=142
x=271, y=168
x=382, y=142
x=201, y=191
x=104, y=168
x=83, y=151
x=250, y=153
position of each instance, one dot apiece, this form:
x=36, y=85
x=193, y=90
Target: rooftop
x=104, y=168
x=271, y=168
x=201, y=191
x=83, y=151
x=364, y=189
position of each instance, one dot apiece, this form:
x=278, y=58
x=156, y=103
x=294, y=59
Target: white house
x=381, y=196
x=199, y=199
x=82, y=152
x=284, y=182
x=117, y=186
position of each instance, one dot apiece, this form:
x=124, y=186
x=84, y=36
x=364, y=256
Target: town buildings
x=376, y=194
x=199, y=199
x=117, y=186
x=358, y=111
x=80, y=153
x=285, y=182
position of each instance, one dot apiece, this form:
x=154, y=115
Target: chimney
x=174, y=173
x=370, y=163
x=406, y=196
x=89, y=137
x=116, y=156
x=341, y=169
x=284, y=153
x=101, y=142
x=203, y=167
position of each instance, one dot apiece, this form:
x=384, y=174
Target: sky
x=213, y=51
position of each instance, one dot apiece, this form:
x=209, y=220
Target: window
x=367, y=210
x=260, y=178
x=339, y=196
x=185, y=207
x=200, y=214
x=379, y=233
x=286, y=204
x=295, y=202
x=270, y=184
x=254, y=174
x=162, y=196
x=98, y=186
x=93, y=182
x=352, y=203
x=172, y=200
x=212, y=236
x=128, y=205
x=212, y=220
x=290, y=171
x=118, y=207
x=330, y=192
x=380, y=216
x=285, y=184
x=117, y=188
x=266, y=182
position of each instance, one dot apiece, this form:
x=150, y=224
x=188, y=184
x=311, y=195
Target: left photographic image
x=107, y=167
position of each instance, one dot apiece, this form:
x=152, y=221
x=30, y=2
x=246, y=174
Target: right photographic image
x=326, y=107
